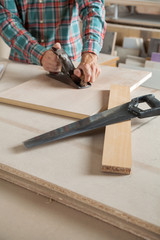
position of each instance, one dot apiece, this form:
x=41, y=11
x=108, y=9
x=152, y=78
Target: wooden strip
x=117, y=156
x=84, y=204
x=137, y=19
x=109, y=43
x=73, y=165
x=4, y=67
x=148, y=3
x=132, y=31
x=48, y=95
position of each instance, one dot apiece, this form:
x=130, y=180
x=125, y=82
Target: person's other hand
x=89, y=67
x=50, y=60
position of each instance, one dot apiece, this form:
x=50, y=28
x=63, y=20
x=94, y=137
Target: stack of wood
x=135, y=55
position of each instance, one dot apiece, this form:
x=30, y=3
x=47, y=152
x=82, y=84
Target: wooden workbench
x=69, y=171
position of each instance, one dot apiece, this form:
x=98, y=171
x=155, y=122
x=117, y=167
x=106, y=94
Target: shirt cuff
x=92, y=46
x=36, y=53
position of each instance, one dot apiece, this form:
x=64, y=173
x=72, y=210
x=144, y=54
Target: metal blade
x=111, y=116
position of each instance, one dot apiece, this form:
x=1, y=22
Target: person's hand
x=89, y=67
x=50, y=61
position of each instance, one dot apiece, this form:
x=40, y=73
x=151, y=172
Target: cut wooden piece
x=49, y=95
x=134, y=62
x=3, y=65
x=148, y=10
x=127, y=31
x=108, y=60
x=152, y=64
x=4, y=49
x=149, y=3
x=146, y=20
x=123, y=52
x=117, y=157
x=133, y=43
x=68, y=171
x=153, y=46
x=153, y=82
x=109, y=43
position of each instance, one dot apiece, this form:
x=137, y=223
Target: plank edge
x=81, y=203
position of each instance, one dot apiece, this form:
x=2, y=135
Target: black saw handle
x=150, y=99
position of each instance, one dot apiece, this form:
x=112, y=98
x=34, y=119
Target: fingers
x=77, y=72
x=50, y=61
x=89, y=67
x=90, y=71
x=57, y=45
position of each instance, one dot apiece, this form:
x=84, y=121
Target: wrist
x=88, y=57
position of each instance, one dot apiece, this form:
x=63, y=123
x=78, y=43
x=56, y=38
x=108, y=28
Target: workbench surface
x=78, y=169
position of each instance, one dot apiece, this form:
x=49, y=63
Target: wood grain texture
x=70, y=171
x=4, y=63
x=117, y=156
x=109, y=43
x=49, y=95
x=149, y=3
x=132, y=31
x=137, y=19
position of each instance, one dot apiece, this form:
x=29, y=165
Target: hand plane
x=67, y=72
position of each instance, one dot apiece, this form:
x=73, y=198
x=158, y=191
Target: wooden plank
x=137, y=19
x=117, y=157
x=4, y=49
x=124, y=52
x=153, y=46
x=132, y=31
x=109, y=43
x=69, y=171
x=108, y=60
x=153, y=82
x=152, y=64
x=148, y=10
x=3, y=65
x=149, y=3
x=48, y=95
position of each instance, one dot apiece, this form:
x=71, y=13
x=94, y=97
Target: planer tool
x=67, y=73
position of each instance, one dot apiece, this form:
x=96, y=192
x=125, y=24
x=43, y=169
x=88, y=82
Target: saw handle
x=150, y=99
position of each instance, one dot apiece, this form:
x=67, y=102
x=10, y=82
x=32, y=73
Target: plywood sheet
x=69, y=171
x=132, y=31
x=109, y=43
x=3, y=65
x=153, y=82
x=117, y=155
x=148, y=3
x=49, y=95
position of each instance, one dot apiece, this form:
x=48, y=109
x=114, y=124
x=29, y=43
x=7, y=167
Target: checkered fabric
x=30, y=27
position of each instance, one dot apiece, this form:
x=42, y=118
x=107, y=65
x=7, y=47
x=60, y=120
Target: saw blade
x=111, y=116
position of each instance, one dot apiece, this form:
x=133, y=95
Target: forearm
x=16, y=36
x=92, y=14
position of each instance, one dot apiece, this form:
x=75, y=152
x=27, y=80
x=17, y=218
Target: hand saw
x=67, y=73
x=114, y=115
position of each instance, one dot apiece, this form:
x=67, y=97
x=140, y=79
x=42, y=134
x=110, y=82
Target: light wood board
x=137, y=19
x=4, y=64
x=70, y=171
x=153, y=82
x=109, y=43
x=49, y=95
x=132, y=31
x=148, y=3
x=117, y=155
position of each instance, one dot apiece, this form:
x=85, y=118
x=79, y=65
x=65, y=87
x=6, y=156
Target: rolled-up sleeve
x=15, y=35
x=92, y=14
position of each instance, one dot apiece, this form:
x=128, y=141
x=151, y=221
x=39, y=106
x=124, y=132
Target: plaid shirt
x=30, y=27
